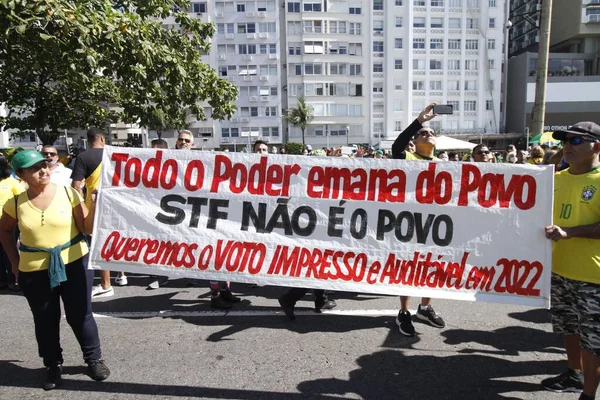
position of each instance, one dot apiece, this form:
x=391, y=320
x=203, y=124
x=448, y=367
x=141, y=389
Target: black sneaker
x=569, y=381
x=219, y=302
x=53, y=377
x=324, y=304
x=404, y=322
x=288, y=308
x=428, y=315
x=98, y=370
x=229, y=297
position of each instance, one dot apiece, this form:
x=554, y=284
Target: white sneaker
x=161, y=281
x=98, y=291
x=121, y=280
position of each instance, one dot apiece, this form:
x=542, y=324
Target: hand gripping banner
x=450, y=230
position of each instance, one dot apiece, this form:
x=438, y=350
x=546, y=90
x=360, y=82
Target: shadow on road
x=536, y=316
x=13, y=375
x=392, y=374
x=511, y=340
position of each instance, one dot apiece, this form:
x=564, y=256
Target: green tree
x=73, y=64
x=300, y=116
x=294, y=148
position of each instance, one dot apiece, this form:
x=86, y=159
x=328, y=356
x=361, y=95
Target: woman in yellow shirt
x=9, y=187
x=52, y=264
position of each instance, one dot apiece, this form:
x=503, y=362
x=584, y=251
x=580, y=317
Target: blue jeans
x=76, y=294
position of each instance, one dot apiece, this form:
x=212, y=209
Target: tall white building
x=366, y=67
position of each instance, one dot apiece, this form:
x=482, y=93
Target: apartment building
x=524, y=16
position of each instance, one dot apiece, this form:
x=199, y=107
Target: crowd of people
x=46, y=224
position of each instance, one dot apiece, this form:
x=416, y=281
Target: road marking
x=205, y=314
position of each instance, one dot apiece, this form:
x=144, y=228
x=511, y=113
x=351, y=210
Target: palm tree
x=300, y=116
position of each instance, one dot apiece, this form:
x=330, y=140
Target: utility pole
x=541, y=78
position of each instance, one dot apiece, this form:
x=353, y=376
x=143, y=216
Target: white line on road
x=204, y=314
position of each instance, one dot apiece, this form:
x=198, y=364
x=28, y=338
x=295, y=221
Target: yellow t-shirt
x=91, y=183
x=57, y=229
x=415, y=156
x=535, y=161
x=9, y=188
x=577, y=202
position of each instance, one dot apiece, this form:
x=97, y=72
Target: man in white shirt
x=60, y=174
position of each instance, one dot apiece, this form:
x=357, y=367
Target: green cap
x=26, y=158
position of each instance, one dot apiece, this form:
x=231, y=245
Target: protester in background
x=481, y=153
x=9, y=187
x=185, y=140
x=159, y=280
x=443, y=155
x=452, y=156
x=274, y=150
x=511, y=158
x=86, y=173
x=522, y=157
x=575, y=281
x=52, y=264
x=536, y=156
x=59, y=173
x=424, y=140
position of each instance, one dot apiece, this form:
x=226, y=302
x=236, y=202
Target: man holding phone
x=424, y=139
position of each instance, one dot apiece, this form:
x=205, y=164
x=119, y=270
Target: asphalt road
x=168, y=344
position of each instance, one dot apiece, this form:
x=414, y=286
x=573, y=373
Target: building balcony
x=593, y=18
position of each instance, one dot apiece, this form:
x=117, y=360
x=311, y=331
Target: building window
x=355, y=49
x=378, y=88
x=378, y=67
x=473, y=3
x=472, y=23
x=377, y=47
x=437, y=22
x=454, y=44
x=491, y=64
x=398, y=22
x=419, y=3
x=472, y=44
x=489, y=105
x=398, y=2
x=225, y=132
x=397, y=43
x=397, y=105
x=418, y=64
x=398, y=126
x=354, y=28
x=355, y=69
x=199, y=7
x=377, y=5
x=471, y=65
x=470, y=85
x=436, y=44
x=294, y=7
x=419, y=22
x=418, y=43
x=418, y=85
x=491, y=44
x=355, y=10
x=455, y=3
x=492, y=3
x=435, y=85
x=241, y=7
x=454, y=104
x=492, y=23
x=453, y=85
x=312, y=6
x=270, y=111
x=435, y=64
x=454, y=23
x=397, y=64
x=437, y=3
x=454, y=65
x=470, y=105
x=295, y=49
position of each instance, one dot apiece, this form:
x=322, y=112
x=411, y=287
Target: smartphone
x=443, y=109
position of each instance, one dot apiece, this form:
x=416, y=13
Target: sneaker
x=53, y=377
x=288, y=308
x=161, y=281
x=13, y=287
x=404, y=322
x=98, y=370
x=322, y=303
x=569, y=381
x=98, y=291
x=428, y=315
x=229, y=297
x=220, y=303
x=121, y=280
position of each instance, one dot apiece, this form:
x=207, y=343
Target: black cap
x=586, y=128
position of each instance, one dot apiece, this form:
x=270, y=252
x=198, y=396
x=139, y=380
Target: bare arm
x=89, y=219
x=7, y=237
x=404, y=138
x=556, y=233
x=78, y=185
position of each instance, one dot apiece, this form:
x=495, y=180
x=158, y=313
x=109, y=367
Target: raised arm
x=406, y=135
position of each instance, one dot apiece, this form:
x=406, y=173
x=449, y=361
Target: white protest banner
x=446, y=230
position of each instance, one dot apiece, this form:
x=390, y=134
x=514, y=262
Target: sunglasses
x=49, y=153
x=184, y=140
x=427, y=133
x=576, y=140
x=482, y=152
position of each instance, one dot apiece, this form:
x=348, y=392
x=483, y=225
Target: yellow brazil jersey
x=577, y=202
x=415, y=156
x=9, y=188
x=53, y=227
